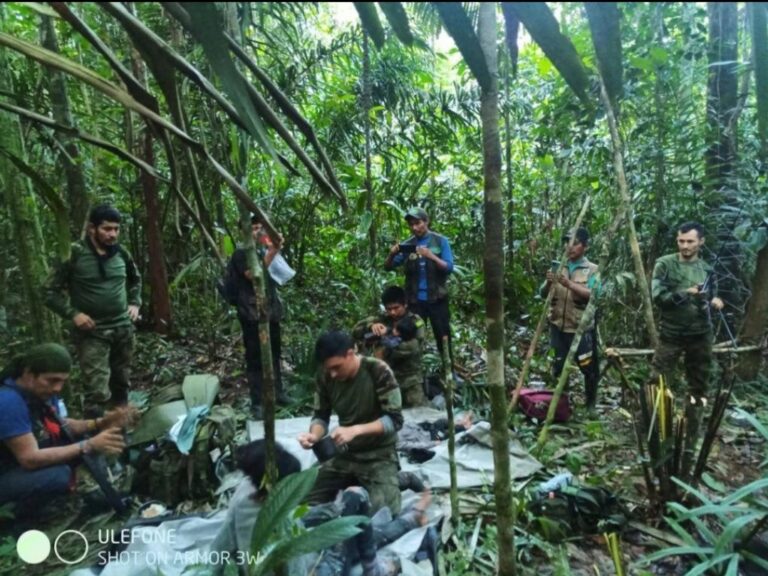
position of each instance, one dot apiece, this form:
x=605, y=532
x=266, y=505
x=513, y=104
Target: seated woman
x=37, y=462
x=337, y=561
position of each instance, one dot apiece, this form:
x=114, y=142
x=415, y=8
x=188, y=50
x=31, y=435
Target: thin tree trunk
x=621, y=180
x=493, y=270
x=659, y=173
x=62, y=113
x=158, y=275
x=369, y=193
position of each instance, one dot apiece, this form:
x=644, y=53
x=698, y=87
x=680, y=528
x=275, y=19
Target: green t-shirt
x=80, y=285
x=681, y=314
x=370, y=395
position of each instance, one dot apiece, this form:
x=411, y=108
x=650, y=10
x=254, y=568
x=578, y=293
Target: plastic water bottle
x=556, y=482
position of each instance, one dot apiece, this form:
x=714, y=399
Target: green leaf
x=398, y=19
x=678, y=551
x=458, y=25
x=318, y=538
x=365, y=224
x=544, y=29
x=286, y=495
x=369, y=18
x=206, y=25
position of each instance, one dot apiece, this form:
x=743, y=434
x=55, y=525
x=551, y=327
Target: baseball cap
x=417, y=213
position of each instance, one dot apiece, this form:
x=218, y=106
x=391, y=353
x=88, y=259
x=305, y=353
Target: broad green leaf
x=284, y=497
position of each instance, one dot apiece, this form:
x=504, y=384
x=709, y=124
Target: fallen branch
x=723, y=348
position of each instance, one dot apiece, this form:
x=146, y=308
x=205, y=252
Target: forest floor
x=598, y=448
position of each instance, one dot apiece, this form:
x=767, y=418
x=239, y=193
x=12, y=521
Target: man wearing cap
x=427, y=266
x=98, y=290
x=36, y=460
x=249, y=316
x=572, y=291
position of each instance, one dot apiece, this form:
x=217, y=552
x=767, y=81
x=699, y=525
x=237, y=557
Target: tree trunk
x=493, y=268
x=158, y=276
x=722, y=112
x=756, y=315
x=76, y=188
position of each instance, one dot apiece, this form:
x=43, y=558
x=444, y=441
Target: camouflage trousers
x=412, y=390
x=375, y=470
x=697, y=351
x=105, y=362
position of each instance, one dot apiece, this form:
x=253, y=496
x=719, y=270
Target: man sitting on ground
x=401, y=351
x=36, y=460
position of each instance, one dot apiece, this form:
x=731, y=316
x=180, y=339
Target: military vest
x=566, y=309
x=436, y=277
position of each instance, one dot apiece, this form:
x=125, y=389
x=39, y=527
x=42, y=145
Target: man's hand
x=564, y=281
x=133, y=312
x=109, y=441
x=378, y=329
x=425, y=252
x=395, y=249
x=120, y=417
x=717, y=303
x=307, y=440
x=344, y=435
x=693, y=290
x=550, y=276
x=83, y=321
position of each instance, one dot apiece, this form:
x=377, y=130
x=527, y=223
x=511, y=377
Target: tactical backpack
x=535, y=404
x=161, y=470
x=578, y=510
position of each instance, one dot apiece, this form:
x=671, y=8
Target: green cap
x=417, y=213
x=44, y=358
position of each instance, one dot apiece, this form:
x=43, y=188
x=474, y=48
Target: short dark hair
x=393, y=295
x=104, y=213
x=686, y=227
x=407, y=328
x=331, y=344
x=255, y=219
x=251, y=458
x=582, y=236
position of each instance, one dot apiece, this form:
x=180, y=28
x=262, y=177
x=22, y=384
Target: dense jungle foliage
x=346, y=127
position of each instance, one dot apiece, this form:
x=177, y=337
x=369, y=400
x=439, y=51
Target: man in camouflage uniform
x=572, y=292
x=685, y=322
x=99, y=291
x=405, y=356
x=364, y=394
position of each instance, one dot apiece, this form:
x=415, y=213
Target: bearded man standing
x=98, y=291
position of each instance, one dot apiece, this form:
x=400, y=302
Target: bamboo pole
x=454, y=492
x=621, y=180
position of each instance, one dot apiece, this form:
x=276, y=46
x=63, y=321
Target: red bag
x=535, y=404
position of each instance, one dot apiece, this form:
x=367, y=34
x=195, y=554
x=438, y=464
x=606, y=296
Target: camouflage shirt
x=101, y=286
x=681, y=314
x=405, y=358
x=371, y=395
